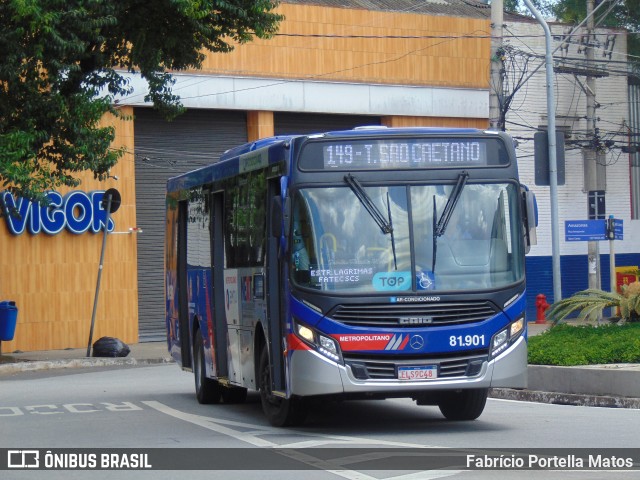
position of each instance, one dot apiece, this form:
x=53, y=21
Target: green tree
x=518, y=6
x=62, y=65
x=590, y=303
x=624, y=14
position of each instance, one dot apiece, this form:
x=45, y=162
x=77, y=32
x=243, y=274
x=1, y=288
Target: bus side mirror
x=530, y=218
x=280, y=217
x=286, y=217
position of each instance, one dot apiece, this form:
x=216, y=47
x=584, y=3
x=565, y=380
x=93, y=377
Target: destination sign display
x=403, y=153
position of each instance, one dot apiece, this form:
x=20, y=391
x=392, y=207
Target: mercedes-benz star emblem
x=416, y=342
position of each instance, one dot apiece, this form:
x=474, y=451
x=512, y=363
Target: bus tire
x=463, y=404
x=281, y=412
x=234, y=395
x=207, y=390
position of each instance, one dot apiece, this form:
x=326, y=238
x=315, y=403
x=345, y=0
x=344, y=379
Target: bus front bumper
x=313, y=374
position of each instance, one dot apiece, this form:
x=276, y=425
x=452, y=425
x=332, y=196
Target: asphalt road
x=154, y=408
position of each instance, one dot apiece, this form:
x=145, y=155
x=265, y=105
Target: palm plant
x=590, y=303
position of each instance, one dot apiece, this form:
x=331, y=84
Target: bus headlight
x=516, y=328
x=322, y=344
x=506, y=337
x=305, y=333
x=328, y=347
x=499, y=342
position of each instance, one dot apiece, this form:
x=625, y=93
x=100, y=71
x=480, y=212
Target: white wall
x=528, y=111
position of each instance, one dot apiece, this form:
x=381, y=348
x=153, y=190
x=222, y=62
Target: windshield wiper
x=385, y=224
x=452, y=201
x=368, y=204
x=393, y=241
x=441, y=226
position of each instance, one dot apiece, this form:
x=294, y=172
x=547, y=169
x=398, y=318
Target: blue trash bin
x=8, y=319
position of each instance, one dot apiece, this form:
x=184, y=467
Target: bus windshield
x=383, y=239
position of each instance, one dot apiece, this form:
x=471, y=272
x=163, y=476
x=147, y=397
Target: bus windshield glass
x=382, y=239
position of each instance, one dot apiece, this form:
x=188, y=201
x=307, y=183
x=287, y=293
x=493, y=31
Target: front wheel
x=463, y=404
x=207, y=390
x=281, y=412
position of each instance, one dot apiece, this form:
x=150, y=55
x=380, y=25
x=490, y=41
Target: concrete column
x=259, y=125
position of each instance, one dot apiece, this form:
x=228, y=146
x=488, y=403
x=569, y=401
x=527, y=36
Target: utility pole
x=495, y=80
x=553, y=164
x=589, y=152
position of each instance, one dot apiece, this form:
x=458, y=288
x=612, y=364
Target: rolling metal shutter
x=304, y=123
x=163, y=150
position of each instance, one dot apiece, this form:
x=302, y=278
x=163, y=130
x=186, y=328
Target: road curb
x=557, y=398
x=619, y=380
x=35, y=366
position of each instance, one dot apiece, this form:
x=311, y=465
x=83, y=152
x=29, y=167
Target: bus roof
x=356, y=132
x=228, y=164
x=252, y=146
x=206, y=173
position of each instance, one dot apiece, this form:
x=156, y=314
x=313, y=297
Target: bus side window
x=257, y=199
x=245, y=220
x=303, y=254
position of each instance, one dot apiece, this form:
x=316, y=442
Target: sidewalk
x=593, y=385
x=616, y=385
x=140, y=354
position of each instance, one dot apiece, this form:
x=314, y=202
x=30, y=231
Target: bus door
x=181, y=290
x=276, y=313
x=220, y=331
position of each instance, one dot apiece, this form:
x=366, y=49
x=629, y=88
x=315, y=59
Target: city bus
x=364, y=264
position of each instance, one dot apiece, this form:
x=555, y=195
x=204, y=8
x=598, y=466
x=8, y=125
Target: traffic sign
x=115, y=200
x=618, y=229
x=590, y=230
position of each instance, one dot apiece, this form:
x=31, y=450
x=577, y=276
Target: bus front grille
x=384, y=368
x=413, y=315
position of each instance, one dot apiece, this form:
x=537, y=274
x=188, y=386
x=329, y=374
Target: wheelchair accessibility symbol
x=425, y=281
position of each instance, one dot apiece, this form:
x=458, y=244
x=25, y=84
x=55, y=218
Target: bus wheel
x=463, y=404
x=207, y=390
x=234, y=395
x=281, y=412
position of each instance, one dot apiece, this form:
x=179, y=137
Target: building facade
x=333, y=65
x=609, y=135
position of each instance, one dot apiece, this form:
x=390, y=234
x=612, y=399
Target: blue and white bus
x=369, y=263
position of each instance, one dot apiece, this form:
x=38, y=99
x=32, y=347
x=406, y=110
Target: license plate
x=422, y=372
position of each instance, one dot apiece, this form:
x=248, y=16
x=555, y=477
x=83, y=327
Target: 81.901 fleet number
x=466, y=340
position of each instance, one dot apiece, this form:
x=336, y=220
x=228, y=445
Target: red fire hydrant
x=541, y=306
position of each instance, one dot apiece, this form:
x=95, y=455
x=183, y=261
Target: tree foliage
x=62, y=65
x=625, y=14
x=590, y=303
x=518, y=6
